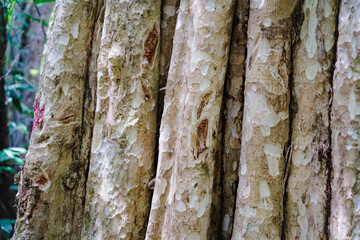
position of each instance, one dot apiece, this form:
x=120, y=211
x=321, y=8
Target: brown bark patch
x=201, y=137
x=203, y=103
x=41, y=180
x=146, y=92
x=150, y=45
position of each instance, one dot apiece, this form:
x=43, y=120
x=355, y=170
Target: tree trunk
x=256, y=137
x=123, y=145
x=50, y=199
x=307, y=187
x=345, y=114
x=265, y=133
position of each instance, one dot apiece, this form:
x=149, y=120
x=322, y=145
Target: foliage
x=6, y=226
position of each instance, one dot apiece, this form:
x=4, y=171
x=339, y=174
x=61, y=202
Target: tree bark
x=50, y=198
x=307, y=188
x=188, y=144
x=345, y=113
x=124, y=137
x=265, y=133
x=258, y=140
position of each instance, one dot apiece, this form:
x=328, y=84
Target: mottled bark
x=307, y=189
x=182, y=199
x=49, y=202
x=268, y=134
x=123, y=144
x=345, y=114
x=266, y=120
x=233, y=104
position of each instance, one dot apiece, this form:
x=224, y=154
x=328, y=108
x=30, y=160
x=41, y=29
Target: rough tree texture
x=345, y=202
x=181, y=203
x=98, y=100
x=266, y=120
x=307, y=193
x=123, y=145
x=49, y=203
x=234, y=90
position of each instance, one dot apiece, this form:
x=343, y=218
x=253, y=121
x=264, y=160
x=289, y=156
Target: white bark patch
x=264, y=189
x=312, y=70
x=210, y=5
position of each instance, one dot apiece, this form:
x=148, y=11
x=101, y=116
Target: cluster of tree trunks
x=196, y=119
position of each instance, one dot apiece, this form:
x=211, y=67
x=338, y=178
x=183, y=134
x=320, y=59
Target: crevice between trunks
x=329, y=167
x=297, y=20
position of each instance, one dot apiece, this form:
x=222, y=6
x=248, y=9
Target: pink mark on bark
x=38, y=114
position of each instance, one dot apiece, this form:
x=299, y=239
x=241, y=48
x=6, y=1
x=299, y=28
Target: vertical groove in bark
x=169, y=10
x=233, y=107
x=189, y=134
x=305, y=216
x=345, y=214
x=89, y=109
x=330, y=160
x=123, y=143
x=266, y=120
x=48, y=191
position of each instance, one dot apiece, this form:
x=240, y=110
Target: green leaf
x=20, y=150
x=18, y=161
x=7, y=225
x=42, y=21
x=8, y=169
x=3, y=156
x=13, y=187
x=34, y=72
x=43, y=1
x=8, y=152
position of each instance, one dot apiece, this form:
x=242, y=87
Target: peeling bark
x=305, y=216
x=266, y=120
x=234, y=94
x=345, y=114
x=123, y=144
x=48, y=198
x=182, y=199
